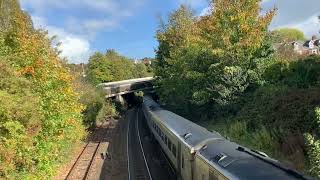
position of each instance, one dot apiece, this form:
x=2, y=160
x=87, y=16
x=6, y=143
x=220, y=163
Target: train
x=198, y=154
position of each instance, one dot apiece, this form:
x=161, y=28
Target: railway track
x=143, y=154
x=138, y=167
x=83, y=165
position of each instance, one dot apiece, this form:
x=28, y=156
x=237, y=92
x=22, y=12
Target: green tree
x=122, y=67
x=173, y=36
x=287, y=35
x=141, y=70
x=99, y=69
x=112, y=66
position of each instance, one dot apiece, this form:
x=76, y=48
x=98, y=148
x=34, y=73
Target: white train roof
x=226, y=156
x=192, y=134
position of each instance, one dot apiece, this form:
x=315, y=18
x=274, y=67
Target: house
x=308, y=47
x=145, y=61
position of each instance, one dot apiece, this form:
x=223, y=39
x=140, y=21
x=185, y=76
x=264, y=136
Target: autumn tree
x=212, y=59
x=41, y=116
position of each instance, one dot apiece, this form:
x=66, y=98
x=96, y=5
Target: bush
x=313, y=146
x=303, y=73
x=97, y=108
x=40, y=116
x=93, y=101
x=260, y=138
x=20, y=122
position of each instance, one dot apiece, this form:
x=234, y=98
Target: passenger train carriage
x=198, y=154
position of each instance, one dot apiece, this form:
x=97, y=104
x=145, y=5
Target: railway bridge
x=118, y=88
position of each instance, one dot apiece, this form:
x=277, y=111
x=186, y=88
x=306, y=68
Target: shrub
x=313, y=151
x=40, y=111
x=20, y=122
x=302, y=73
x=313, y=148
x=93, y=101
x=97, y=108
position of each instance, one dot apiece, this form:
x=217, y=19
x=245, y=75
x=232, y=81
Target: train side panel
x=177, y=152
x=186, y=163
x=203, y=171
x=167, y=140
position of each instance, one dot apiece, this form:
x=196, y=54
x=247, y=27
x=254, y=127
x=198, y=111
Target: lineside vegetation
x=222, y=71
x=40, y=112
x=46, y=105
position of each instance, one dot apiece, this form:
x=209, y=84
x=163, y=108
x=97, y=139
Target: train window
x=173, y=150
x=182, y=161
x=165, y=140
x=169, y=144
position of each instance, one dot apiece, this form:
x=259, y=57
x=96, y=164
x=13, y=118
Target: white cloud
x=310, y=26
x=75, y=48
x=206, y=11
x=80, y=21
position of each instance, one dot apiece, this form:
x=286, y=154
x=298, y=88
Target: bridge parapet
x=113, y=89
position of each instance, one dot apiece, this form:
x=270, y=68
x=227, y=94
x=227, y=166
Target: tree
x=99, y=69
x=235, y=33
x=42, y=115
x=112, y=66
x=141, y=70
x=169, y=69
x=212, y=59
x=287, y=35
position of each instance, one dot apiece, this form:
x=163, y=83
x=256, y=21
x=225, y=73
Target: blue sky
x=129, y=26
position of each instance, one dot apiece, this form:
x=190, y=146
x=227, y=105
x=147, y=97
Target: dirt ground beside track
x=110, y=161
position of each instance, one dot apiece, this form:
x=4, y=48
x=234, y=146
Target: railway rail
x=138, y=168
x=83, y=164
x=140, y=142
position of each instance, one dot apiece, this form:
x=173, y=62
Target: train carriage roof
x=226, y=156
x=193, y=135
x=244, y=163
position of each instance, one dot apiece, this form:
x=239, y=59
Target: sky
x=129, y=26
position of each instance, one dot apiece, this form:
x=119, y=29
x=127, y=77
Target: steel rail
x=144, y=157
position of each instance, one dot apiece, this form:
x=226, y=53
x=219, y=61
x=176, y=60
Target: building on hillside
x=136, y=61
x=309, y=47
x=145, y=61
